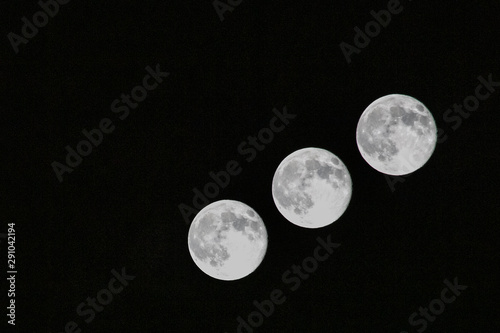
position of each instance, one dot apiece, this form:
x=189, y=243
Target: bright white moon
x=227, y=240
x=396, y=134
x=312, y=188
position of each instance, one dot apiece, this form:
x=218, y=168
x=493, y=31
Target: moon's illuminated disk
x=227, y=240
x=312, y=188
x=396, y=134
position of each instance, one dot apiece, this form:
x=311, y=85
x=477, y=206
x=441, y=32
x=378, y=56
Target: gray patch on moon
x=239, y=223
x=255, y=226
x=291, y=171
x=217, y=254
x=290, y=177
x=339, y=173
x=227, y=217
x=373, y=144
x=284, y=190
x=375, y=117
x=397, y=111
x=424, y=120
x=325, y=172
x=409, y=118
x=301, y=201
x=312, y=165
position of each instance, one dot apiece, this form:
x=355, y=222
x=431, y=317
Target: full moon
x=396, y=134
x=312, y=188
x=227, y=240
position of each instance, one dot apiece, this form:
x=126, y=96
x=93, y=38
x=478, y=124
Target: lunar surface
x=312, y=188
x=227, y=240
x=396, y=134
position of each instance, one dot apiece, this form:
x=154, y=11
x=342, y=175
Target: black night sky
x=417, y=253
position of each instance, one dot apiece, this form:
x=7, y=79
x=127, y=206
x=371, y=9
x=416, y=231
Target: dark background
x=119, y=208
